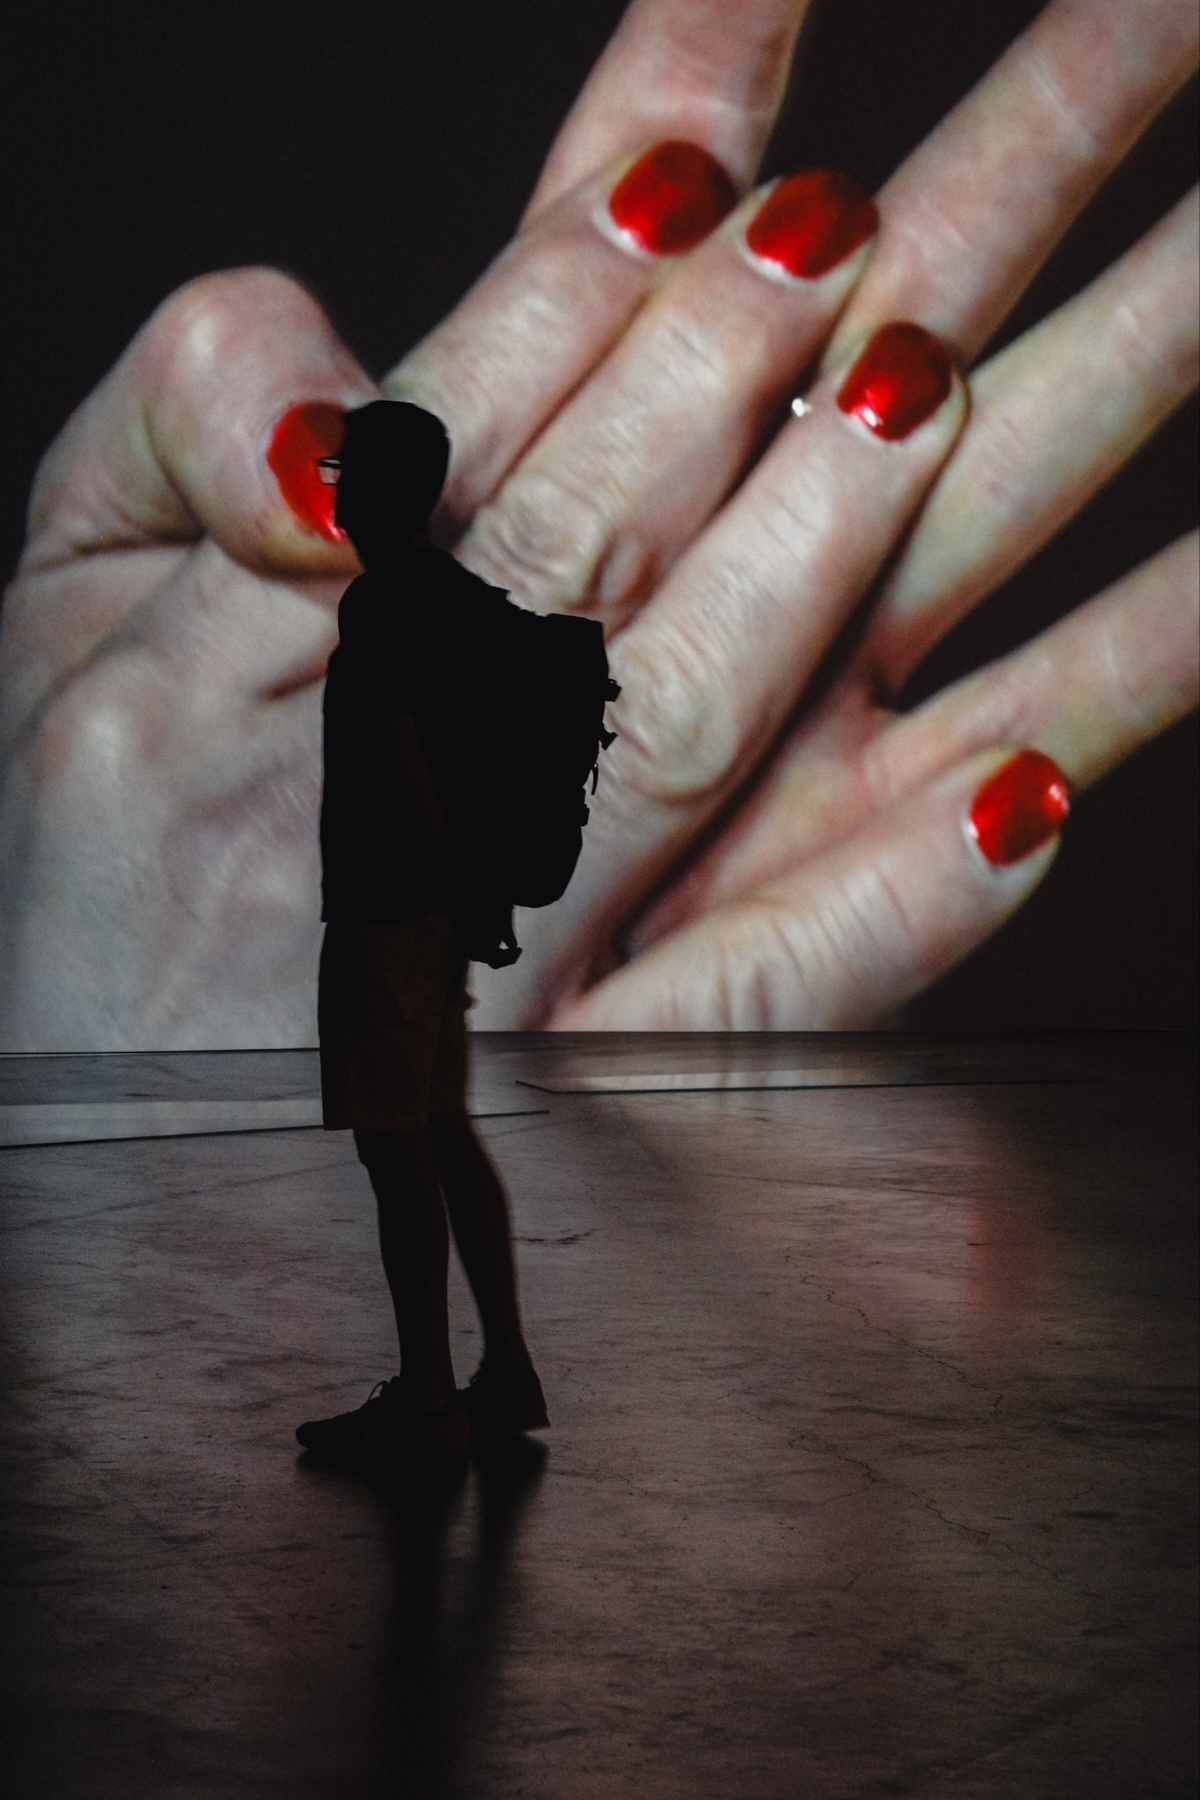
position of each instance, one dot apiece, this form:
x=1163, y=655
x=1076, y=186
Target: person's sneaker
x=499, y=1401
x=384, y=1427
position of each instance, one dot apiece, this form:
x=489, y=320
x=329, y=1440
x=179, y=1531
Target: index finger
x=688, y=87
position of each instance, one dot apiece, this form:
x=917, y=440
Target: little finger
x=842, y=940
x=1108, y=678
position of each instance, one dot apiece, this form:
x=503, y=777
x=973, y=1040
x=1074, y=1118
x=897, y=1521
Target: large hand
x=129, y=816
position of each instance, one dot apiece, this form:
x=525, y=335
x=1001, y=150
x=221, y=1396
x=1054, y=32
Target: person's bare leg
x=414, y=1244
x=479, y=1219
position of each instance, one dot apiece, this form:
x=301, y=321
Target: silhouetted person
x=405, y=850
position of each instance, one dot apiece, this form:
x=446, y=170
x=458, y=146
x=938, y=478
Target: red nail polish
x=671, y=198
x=812, y=221
x=1021, y=808
x=898, y=382
x=303, y=434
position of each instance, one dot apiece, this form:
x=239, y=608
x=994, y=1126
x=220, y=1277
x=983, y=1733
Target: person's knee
x=392, y=1151
x=455, y=1147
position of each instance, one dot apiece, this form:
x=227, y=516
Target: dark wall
x=146, y=143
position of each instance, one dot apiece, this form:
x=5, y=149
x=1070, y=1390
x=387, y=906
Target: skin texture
x=766, y=853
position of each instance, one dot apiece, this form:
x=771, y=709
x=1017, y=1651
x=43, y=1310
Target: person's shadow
x=455, y=1538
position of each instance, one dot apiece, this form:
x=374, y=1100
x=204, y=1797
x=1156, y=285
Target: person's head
x=393, y=463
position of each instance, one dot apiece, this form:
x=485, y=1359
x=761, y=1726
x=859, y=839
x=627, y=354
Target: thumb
x=210, y=424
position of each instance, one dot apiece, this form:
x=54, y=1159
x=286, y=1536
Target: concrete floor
x=871, y=1473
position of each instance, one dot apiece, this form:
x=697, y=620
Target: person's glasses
x=329, y=468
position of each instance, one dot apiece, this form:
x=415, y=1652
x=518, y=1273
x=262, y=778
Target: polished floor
x=873, y=1461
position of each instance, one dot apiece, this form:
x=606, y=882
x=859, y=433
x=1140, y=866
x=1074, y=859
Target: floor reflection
x=871, y=1472
x=455, y=1542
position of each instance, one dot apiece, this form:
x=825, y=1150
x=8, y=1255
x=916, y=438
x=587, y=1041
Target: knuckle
x=691, y=360
x=998, y=459
x=98, y=731
x=769, y=970
x=809, y=964
x=198, y=325
x=1132, y=702
x=541, y=539
x=1063, y=92
x=1158, y=357
x=769, y=987
x=678, y=741
x=855, y=931
x=882, y=918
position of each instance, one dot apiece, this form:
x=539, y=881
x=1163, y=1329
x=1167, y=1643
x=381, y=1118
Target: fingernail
x=898, y=382
x=1020, y=808
x=305, y=433
x=671, y=198
x=811, y=222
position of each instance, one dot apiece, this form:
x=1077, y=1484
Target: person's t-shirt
x=415, y=640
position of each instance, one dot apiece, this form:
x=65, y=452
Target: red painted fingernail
x=812, y=221
x=671, y=198
x=1020, y=808
x=303, y=434
x=898, y=382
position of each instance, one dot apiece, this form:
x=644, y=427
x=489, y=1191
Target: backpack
x=556, y=695
x=527, y=742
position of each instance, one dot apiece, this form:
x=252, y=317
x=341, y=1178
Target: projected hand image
x=772, y=844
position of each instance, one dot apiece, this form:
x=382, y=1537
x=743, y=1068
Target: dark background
x=146, y=143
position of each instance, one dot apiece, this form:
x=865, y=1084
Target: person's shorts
x=391, y=1014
